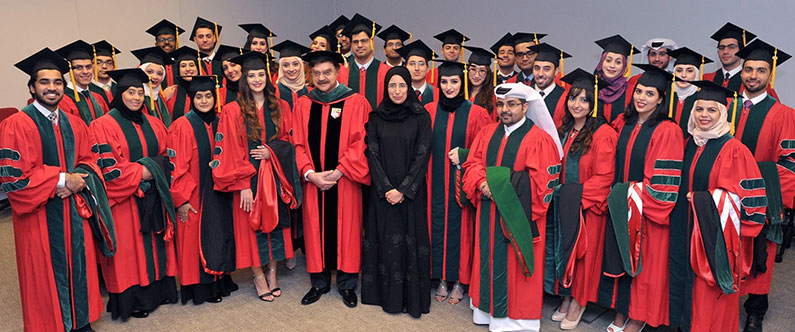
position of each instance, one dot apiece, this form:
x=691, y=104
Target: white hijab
x=156, y=89
x=688, y=91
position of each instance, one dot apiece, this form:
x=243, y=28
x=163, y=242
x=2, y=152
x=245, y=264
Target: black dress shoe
x=349, y=297
x=753, y=324
x=314, y=294
x=140, y=314
x=214, y=299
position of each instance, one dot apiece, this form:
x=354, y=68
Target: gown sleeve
x=352, y=162
x=738, y=173
x=419, y=166
x=785, y=149
x=596, y=188
x=542, y=162
x=231, y=169
x=475, y=165
x=181, y=145
x=303, y=157
x=121, y=174
x=662, y=173
x=375, y=161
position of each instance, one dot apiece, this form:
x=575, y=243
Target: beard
x=42, y=100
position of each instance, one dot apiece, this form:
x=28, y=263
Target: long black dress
x=396, y=247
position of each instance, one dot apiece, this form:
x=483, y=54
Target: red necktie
x=362, y=79
x=726, y=80
x=419, y=95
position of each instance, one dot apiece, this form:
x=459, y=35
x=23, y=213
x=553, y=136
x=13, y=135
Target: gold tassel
x=176, y=34
x=268, y=67
x=96, y=71
x=466, y=83
x=411, y=38
x=744, y=44
x=74, y=85
x=241, y=50
x=773, y=75
x=671, y=100
x=734, y=114
x=151, y=98
x=216, y=34
x=462, y=50
x=113, y=55
x=271, y=42
x=372, y=35
x=629, y=61
x=562, y=69
x=217, y=95
x=433, y=64
x=198, y=62
x=535, y=38
x=701, y=70
x=495, y=71
x=595, y=95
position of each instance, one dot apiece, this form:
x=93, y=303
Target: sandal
x=456, y=299
x=615, y=328
x=264, y=296
x=274, y=290
x=442, y=288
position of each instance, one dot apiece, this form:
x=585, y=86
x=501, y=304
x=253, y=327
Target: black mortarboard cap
x=201, y=83
x=333, y=57
x=339, y=23
x=654, y=77
x=257, y=30
x=152, y=54
x=43, y=59
x=450, y=68
x=360, y=22
x=451, y=37
x=417, y=48
x=686, y=56
x=617, y=44
x=506, y=40
x=77, y=50
x=730, y=30
x=711, y=91
x=186, y=53
x=226, y=52
x=327, y=33
x=580, y=78
x=252, y=60
x=759, y=50
x=202, y=23
x=104, y=48
x=546, y=52
x=289, y=48
x=480, y=56
x=394, y=32
x=164, y=27
x=129, y=77
x=525, y=37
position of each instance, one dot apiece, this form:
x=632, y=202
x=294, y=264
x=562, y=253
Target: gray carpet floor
x=243, y=311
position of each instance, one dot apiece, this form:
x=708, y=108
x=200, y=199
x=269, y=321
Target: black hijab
x=136, y=116
x=390, y=111
x=209, y=116
x=451, y=104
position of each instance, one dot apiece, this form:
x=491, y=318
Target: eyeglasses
x=730, y=46
x=525, y=54
x=511, y=104
x=105, y=62
x=163, y=40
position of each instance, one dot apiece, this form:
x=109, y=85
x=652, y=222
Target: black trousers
x=756, y=305
x=344, y=280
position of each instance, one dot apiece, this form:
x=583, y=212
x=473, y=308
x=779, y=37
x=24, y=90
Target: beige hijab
x=299, y=82
x=720, y=128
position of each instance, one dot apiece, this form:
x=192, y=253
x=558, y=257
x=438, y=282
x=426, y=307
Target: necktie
x=419, y=94
x=542, y=93
x=747, y=104
x=527, y=80
x=726, y=80
x=727, y=77
x=53, y=117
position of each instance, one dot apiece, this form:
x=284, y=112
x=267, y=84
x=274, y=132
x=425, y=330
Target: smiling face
x=324, y=75
x=505, y=57
x=204, y=101
x=397, y=89
x=344, y=41
x=256, y=80
x=259, y=45
x=613, y=65
x=477, y=74
x=755, y=76
x=450, y=85
x=291, y=67
x=659, y=57
x=155, y=74
x=418, y=68
x=232, y=71
x=133, y=98
x=706, y=114
x=685, y=73
x=360, y=43
x=511, y=110
x=47, y=89
x=727, y=52
x=187, y=69
x=319, y=44
x=83, y=70
x=544, y=74
x=451, y=52
x=167, y=42
x=578, y=105
x=646, y=99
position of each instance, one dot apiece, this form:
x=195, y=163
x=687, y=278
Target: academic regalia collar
x=510, y=129
x=335, y=94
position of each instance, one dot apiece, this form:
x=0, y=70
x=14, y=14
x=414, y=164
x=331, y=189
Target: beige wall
x=31, y=25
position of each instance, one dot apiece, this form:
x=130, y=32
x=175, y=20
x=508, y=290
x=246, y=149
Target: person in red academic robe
x=133, y=158
x=455, y=122
x=232, y=73
x=546, y=71
x=687, y=68
x=79, y=100
x=416, y=56
x=166, y=36
x=207, y=35
x=104, y=60
x=291, y=81
x=481, y=79
x=524, y=57
x=505, y=59
x=369, y=82
x=40, y=148
x=328, y=134
x=510, y=173
x=764, y=125
x=186, y=60
x=191, y=143
x=648, y=167
x=705, y=281
x=153, y=61
x=256, y=119
x=588, y=167
x=613, y=67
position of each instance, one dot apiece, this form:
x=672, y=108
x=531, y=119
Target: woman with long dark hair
x=481, y=79
x=648, y=169
x=578, y=213
x=396, y=274
x=255, y=119
x=231, y=73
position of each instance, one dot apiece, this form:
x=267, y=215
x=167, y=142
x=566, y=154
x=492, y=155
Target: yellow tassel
x=372, y=35
x=701, y=69
x=176, y=34
x=216, y=34
x=113, y=55
x=74, y=85
x=271, y=42
x=411, y=38
x=151, y=98
x=462, y=50
x=217, y=95
x=466, y=83
x=563, y=84
x=734, y=114
x=241, y=50
x=198, y=62
x=433, y=65
x=535, y=38
x=629, y=61
x=671, y=100
x=773, y=75
x=744, y=44
x=339, y=50
x=268, y=67
x=96, y=72
x=495, y=71
x=595, y=95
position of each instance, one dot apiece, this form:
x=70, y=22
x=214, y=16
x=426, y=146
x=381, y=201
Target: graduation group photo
x=342, y=165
